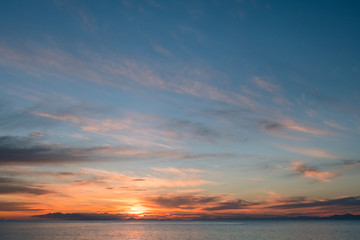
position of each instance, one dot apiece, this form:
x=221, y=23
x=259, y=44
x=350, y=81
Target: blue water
x=176, y=230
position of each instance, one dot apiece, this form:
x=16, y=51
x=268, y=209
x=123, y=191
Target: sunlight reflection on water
x=179, y=230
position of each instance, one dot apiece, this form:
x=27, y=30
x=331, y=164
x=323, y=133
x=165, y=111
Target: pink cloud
x=294, y=126
x=313, y=173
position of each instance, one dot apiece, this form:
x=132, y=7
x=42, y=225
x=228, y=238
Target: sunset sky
x=179, y=109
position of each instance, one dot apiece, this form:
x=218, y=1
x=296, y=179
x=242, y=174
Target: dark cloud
x=15, y=150
x=17, y=206
x=10, y=186
x=198, y=130
x=9, y=189
x=215, y=203
x=350, y=163
x=36, y=134
x=271, y=125
x=182, y=201
x=228, y=205
x=139, y=179
x=65, y=174
x=82, y=216
x=25, y=150
x=353, y=202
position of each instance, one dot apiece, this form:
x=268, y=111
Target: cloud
x=17, y=206
x=82, y=216
x=15, y=186
x=334, y=125
x=313, y=173
x=162, y=51
x=294, y=126
x=15, y=150
x=182, y=201
x=134, y=130
x=36, y=134
x=199, y=202
x=11, y=189
x=285, y=127
x=265, y=85
x=178, y=171
x=64, y=117
x=312, y=152
x=151, y=182
x=25, y=150
x=14, y=120
x=230, y=205
x=119, y=72
x=184, y=128
x=348, y=202
x=350, y=163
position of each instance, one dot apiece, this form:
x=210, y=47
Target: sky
x=149, y=109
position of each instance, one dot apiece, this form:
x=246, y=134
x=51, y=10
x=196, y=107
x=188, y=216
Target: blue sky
x=247, y=107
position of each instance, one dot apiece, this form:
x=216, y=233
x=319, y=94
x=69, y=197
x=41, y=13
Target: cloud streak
x=311, y=152
x=351, y=202
x=22, y=150
x=17, y=206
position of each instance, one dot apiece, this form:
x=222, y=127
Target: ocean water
x=179, y=230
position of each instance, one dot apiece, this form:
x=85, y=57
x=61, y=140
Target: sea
x=180, y=230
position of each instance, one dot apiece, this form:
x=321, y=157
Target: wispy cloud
x=334, y=125
x=294, y=126
x=56, y=62
x=313, y=173
x=179, y=171
x=270, y=87
x=311, y=152
x=286, y=128
x=162, y=51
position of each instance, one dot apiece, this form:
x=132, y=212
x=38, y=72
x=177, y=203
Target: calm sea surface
x=176, y=230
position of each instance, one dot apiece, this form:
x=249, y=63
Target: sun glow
x=137, y=210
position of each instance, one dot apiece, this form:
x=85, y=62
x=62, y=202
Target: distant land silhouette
x=106, y=216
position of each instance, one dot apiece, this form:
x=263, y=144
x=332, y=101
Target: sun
x=137, y=210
